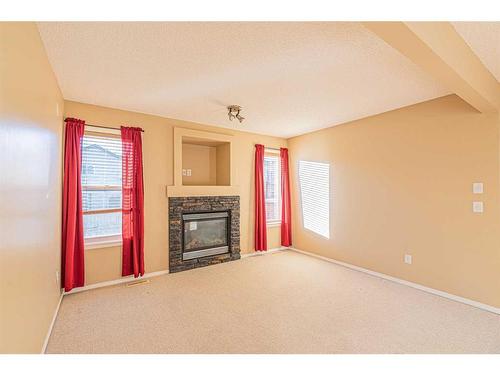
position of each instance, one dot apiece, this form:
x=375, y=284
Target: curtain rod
x=107, y=127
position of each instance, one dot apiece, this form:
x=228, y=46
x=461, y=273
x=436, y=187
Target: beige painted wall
x=104, y=264
x=202, y=160
x=30, y=189
x=401, y=182
x=223, y=160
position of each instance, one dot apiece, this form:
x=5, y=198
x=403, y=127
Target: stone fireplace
x=203, y=230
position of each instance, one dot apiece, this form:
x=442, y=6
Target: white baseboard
x=440, y=293
x=49, y=332
x=153, y=274
x=121, y=281
x=114, y=282
x=257, y=253
x=89, y=287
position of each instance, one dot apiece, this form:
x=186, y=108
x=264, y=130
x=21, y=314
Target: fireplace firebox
x=205, y=234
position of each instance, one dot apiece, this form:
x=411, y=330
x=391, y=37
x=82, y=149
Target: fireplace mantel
x=196, y=191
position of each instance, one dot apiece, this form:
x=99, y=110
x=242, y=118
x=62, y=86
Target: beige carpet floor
x=283, y=302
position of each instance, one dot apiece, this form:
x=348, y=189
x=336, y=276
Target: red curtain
x=132, y=202
x=286, y=214
x=260, y=201
x=72, y=246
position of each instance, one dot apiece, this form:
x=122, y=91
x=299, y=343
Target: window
x=272, y=189
x=101, y=188
x=314, y=180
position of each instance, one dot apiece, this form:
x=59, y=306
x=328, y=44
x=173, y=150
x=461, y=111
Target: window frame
x=274, y=153
x=104, y=241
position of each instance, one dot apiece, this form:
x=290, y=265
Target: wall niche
x=205, y=162
x=209, y=157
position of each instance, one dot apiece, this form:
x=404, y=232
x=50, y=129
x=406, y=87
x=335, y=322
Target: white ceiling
x=484, y=40
x=290, y=78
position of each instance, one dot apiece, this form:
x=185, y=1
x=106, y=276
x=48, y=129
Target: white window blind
x=272, y=188
x=101, y=186
x=314, y=179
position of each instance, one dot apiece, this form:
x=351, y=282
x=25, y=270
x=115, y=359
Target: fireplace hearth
x=203, y=231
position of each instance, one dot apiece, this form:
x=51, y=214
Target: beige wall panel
x=224, y=164
x=31, y=109
x=401, y=182
x=202, y=162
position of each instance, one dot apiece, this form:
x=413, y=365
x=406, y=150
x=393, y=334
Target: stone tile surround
x=181, y=205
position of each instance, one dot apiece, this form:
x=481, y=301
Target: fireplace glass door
x=205, y=234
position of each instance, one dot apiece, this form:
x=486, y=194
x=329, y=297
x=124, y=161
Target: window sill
x=100, y=244
x=274, y=223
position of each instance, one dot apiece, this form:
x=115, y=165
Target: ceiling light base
x=234, y=112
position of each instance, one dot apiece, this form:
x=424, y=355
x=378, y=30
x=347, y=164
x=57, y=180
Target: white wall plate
x=477, y=188
x=477, y=207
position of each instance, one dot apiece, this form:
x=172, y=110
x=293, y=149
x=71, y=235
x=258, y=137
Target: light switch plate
x=477, y=188
x=408, y=259
x=189, y=172
x=477, y=207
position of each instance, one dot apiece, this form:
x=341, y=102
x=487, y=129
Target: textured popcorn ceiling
x=484, y=40
x=290, y=78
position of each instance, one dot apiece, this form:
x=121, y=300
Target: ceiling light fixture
x=234, y=112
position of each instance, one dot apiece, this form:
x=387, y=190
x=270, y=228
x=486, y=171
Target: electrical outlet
x=184, y=172
x=189, y=172
x=57, y=277
x=477, y=207
x=408, y=259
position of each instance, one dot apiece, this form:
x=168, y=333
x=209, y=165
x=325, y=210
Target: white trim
x=49, y=332
x=270, y=251
x=440, y=293
x=115, y=282
x=157, y=273
x=102, y=244
x=273, y=223
x=95, y=129
x=271, y=151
